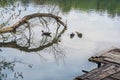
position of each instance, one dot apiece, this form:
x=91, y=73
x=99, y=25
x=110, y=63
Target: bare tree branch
x=28, y=17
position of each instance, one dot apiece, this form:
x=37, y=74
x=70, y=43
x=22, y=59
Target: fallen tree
x=26, y=45
x=28, y=17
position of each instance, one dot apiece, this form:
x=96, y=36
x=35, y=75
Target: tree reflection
x=112, y=7
x=9, y=66
x=44, y=43
x=28, y=37
x=24, y=37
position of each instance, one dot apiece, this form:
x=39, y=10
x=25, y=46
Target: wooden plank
x=100, y=73
x=116, y=53
x=115, y=50
x=94, y=71
x=105, y=72
x=109, y=78
x=116, y=76
x=111, y=57
x=97, y=60
x=110, y=69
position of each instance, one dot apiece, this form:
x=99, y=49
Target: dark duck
x=46, y=33
x=79, y=34
x=72, y=35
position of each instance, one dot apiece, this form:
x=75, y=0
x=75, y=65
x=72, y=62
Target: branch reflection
x=44, y=43
x=7, y=66
x=29, y=39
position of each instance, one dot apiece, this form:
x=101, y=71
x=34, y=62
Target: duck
x=72, y=35
x=79, y=34
x=46, y=33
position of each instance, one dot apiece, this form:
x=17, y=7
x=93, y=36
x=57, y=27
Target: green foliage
x=4, y=3
x=111, y=6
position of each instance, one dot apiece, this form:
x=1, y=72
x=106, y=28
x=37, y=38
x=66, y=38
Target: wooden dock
x=108, y=67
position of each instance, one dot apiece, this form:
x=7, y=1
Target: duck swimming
x=46, y=33
x=72, y=35
x=79, y=34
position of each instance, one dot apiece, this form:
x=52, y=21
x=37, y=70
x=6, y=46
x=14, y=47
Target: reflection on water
x=112, y=7
x=90, y=30
x=9, y=66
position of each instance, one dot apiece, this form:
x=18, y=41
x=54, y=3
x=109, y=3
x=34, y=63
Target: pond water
x=97, y=20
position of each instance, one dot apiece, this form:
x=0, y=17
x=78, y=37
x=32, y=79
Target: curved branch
x=28, y=17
